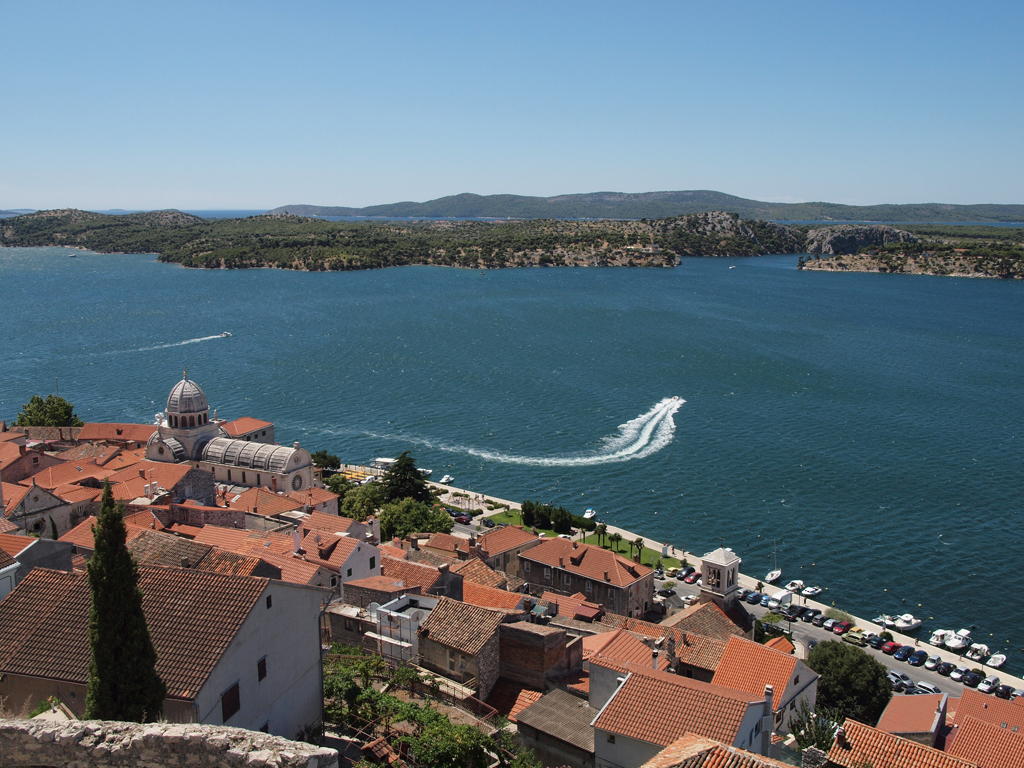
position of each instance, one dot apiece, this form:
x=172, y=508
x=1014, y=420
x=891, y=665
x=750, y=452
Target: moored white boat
x=589, y=514
x=773, y=576
x=997, y=660
x=977, y=652
x=907, y=623
x=811, y=591
x=939, y=636
x=886, y=621
x=794, y=586
x=959, y=641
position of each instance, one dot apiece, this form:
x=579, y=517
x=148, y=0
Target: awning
x=539, y=610
x=586, y=612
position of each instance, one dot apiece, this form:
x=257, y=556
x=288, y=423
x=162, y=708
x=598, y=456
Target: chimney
x=184, y=563
x=654, y=658
x=296, y=542
x=841, y=739
x=561, y=562
x=142, y=472
x=296, y=445
x=768, y=719
x=575, y=544
x=606, y=576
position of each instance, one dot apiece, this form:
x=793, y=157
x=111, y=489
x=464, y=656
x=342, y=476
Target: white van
x=780, y=599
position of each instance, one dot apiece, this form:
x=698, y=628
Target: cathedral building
x=186, y=434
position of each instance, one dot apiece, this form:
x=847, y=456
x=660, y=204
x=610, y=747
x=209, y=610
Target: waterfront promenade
x=474, y=500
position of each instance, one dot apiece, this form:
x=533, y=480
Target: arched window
x=206, y=418
x=191, y=421
x=174, y=421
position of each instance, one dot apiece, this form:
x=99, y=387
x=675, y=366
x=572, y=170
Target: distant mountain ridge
x=659, y=205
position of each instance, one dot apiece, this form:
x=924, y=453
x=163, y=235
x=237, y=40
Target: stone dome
x=186, y=397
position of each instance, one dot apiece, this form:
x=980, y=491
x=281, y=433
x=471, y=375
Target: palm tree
x=615, y=538
x=601, y=531
x=638, y=542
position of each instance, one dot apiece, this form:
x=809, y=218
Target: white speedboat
x=997, y=660
x=977, y=652
x=589, y=514
x=907, y=623
x=939, y=637
x=794, y=586
x=426, y=472
x=811, y=591
x=225, y=333
x=959, y=641
x=885, y=620
x=447, y=479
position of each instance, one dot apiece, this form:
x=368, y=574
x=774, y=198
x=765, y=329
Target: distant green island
x=288, y=241
x=660, y=205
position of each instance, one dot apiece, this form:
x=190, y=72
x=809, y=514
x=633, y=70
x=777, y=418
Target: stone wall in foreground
x=101, y=744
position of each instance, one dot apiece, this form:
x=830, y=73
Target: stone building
x=460, y=641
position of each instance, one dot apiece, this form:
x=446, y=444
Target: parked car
x=465, y=520
x=957, y=675
x=754, y=598
x=690, y=599
x=1017, y=692
x=672, y=572
x=925, y=687
x=890, y=647
x=693, y=578
x=971, y=679
x=842, y=627
x=659, y=575
x=743, y=593
x=487, y=522
x=452, y=512
x=932, y=662
x=829, y=623
x=945, y=668
x=766, y=599
x=809, y=615
x=903, y=653
x=855, y=637
x=666, y=592
x=798, y=611
x=688, y=570
x=819, y=620
x=989, y=684
x=899, y=677
x=918, y=658
x=875, y=641
x=1004, y=691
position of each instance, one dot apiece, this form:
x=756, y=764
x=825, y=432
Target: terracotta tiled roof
x=986, y=744
x=749, y=666
x=489, y=597
x=911, y=714
x=74, y=494
x=86, y=451
x=638, y=710
x=151, y=547
x=263, y=502
x=568, y=605
x=9, y=436
x=230, y=563
x=321, y=521
x=122, y=459
x=129, y=483
x=864, y=745
x=576, y=681
x=192, y=617
x=144, y=519
x=708, y=620
x=477, y=571
x=14, y=545
x=563, y=716
x=432, y=559
x=313, y=496
x=78, y=563
x=990, y=709
x=699, y=651
x=296, y=571
x=413, y=574
x=139, y=433
x=13, y=496
x=9, y=453
x=449, y=543
x=621, y=646
x=246, y=542
x=184, y=530
x=6, y=560
x=504, y=539
x=466, y=628
x=71, y=472
x=587, y=560
x=780, y=644
x=390, y=551
x=6, y=526
x=511, y=698
x=691, y=751
x=332, y=551
x=81, y=534
x=244, y=426
x=379, y=583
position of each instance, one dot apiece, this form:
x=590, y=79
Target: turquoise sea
x=871, y=425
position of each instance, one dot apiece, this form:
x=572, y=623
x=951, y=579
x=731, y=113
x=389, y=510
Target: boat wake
x=648, y=433
x=167, y=346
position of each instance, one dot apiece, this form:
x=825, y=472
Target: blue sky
x=258, y=104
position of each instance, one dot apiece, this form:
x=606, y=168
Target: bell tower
x=719, y=578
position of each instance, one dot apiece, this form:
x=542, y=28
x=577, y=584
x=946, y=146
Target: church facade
x=186, y=434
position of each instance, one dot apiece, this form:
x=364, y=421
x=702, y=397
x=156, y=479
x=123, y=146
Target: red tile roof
x=129, y=483
x=13, y=496
x=9, y=453
x=379, y=583
x=296, y=571
x=986, y=744
x=81, y=534
x=244, y=426
x=246, y=542
x=192, y=616
x=864, y=745
x=476, y=570
x=504, y=539
x=911, y=714
x=691, y=751
x=638, y=710
x=13, y=545
x=489, y=597
x=7, y=526
x=71, y=472
x=749, y=666
x=781, y=644
x=448, y=543
x=313, y=496
x=260, y=501
x=620, y=645
x=706, y=619
x=466, y=628
x=331, y=550
x=511, y=698
x=321, y=521
x=568, y=605
x=6, y=560
x=74, y=494
x=413, y=574
x=588, y=561
x=990, y=709
x=139, y=433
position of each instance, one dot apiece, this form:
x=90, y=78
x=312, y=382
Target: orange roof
x=13, y=545
x=8, y=436
x=503, y=539
x=313, y=496
x=413, y=574
x=912, y=714
x=9, y=453
x=70, y=472
x=620, y=645
x=122, y=459
x=511, y=698
x=129, y=482
x=986, y=744
x=464, y=627
x=780, y=644
x=864, y=745
x=81, y=534
x=74, y=494
x=448, y=543
x=7, y=526
x=638, y=710
x=570, y=605
x=706, y=619
x=489, y=597
x=390, y=551
x=587, y=560
x=246, y=542
x=990, y=709
x=293, y=569
x=263, y=502
x=144, y=519
x=378, y=583
x=139, y=433
x=749, y=666
x=697, y=752
x=244, y=426
x=13, y=496
x=330, y=549
x=323, y=522
x=476, y=570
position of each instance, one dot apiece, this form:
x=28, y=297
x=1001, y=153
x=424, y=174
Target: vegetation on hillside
x=54, y=411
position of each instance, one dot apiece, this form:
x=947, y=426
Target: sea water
x=868, y=426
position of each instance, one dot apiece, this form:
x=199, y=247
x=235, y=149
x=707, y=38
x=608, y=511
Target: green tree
x=851, y=682
x=324, y=459
x=53, y=530
x=123, y=682
x=340, y=485
x=362, y=501
x=638, y=544
x=441, y=744
x=403, y=481
x=814, y=729
x=615, y=538
x=602, y=531
x=54, y=411
x=400, y=518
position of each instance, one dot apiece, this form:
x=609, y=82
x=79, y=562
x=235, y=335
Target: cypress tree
x=123, y=683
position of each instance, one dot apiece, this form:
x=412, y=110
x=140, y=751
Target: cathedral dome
x=186, y=397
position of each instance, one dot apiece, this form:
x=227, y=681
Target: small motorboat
x=795, y=586
x=811, y=591
x=886, y=621
x=589, y=514
x=939, y=637
x=977, y=652
x=907, y=623
x=224, y=333
x=426, y=472
x=997, y=660
x=959, y=641
x=447, y=479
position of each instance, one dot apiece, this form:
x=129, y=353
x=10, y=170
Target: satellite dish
x=373, y=608
x=416, y=615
